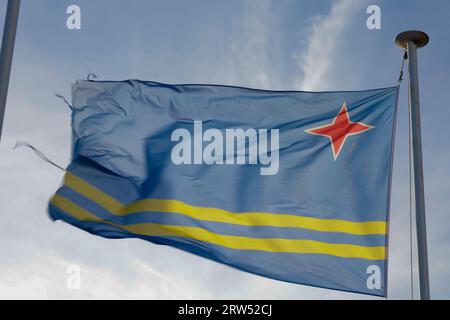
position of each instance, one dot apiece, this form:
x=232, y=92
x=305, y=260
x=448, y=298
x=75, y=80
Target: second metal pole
x=411, y=40
x=414, y=104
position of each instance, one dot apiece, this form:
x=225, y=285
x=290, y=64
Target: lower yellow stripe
x=254, y=218
x=220, y=215
x=227, y=241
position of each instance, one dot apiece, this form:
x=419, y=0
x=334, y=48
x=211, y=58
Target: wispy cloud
x=324, y=37
x=249, y=50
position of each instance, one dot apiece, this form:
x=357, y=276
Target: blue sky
x=280, y=44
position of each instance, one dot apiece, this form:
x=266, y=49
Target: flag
x=289, y=185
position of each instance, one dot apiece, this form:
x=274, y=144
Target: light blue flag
x=290, y=185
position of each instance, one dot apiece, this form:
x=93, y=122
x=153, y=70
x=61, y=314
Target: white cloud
x=324, y=37
x=248, y=55
x=46, y=278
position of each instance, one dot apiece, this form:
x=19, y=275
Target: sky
x=313, y=45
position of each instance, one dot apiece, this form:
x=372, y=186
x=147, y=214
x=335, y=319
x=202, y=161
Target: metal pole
x=411, y=40
x=6, y=54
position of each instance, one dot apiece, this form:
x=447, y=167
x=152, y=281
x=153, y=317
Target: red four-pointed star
x=339, y=130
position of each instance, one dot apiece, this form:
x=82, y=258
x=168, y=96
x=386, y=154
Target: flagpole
x=6, y=54
x=411, y=41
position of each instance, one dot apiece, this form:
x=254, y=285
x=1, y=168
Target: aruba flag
x=289, y=185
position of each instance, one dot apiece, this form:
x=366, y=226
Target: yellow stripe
x=82, y=187
x=227, y=241
x=220, y=215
